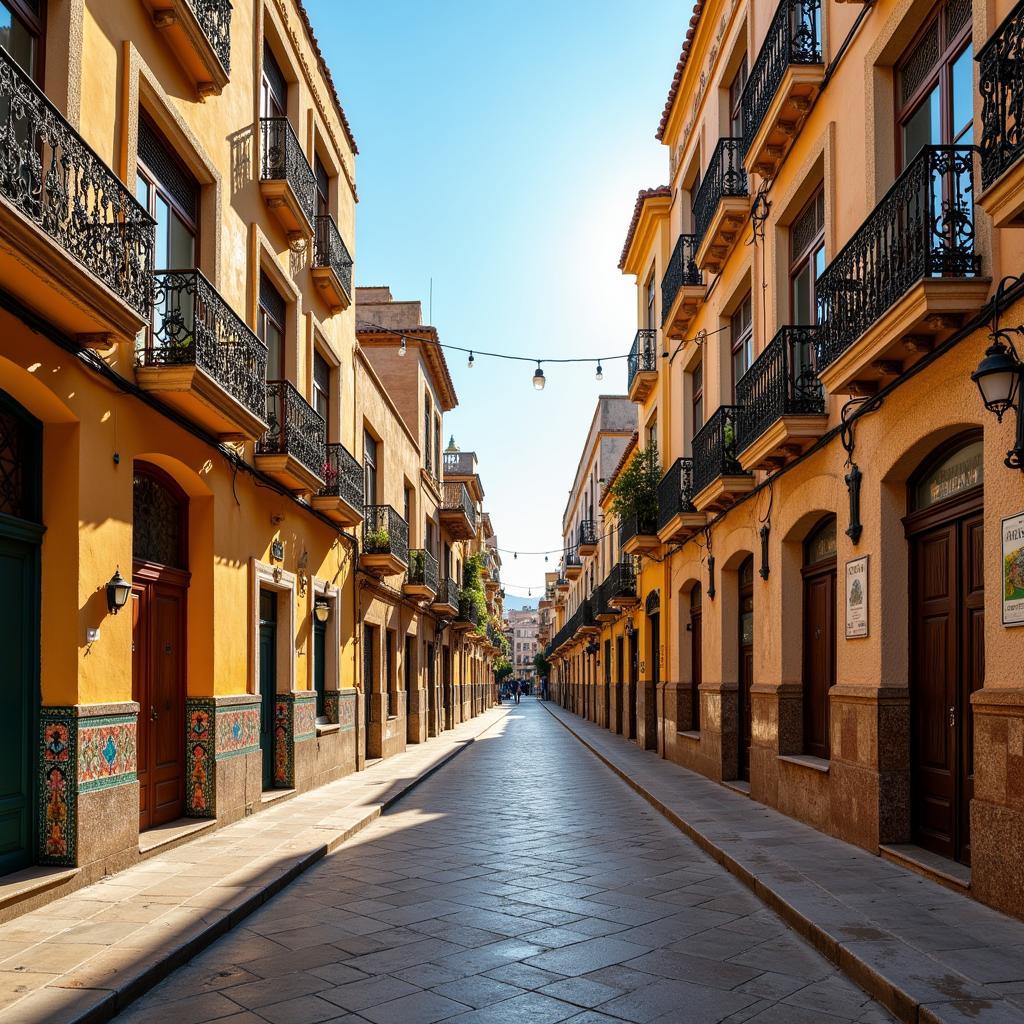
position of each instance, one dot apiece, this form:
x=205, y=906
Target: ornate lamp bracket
x=853, y=479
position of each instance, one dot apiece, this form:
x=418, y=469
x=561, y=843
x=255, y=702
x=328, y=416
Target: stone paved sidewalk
x=84, y=956
x=524, y=883
x=926, y=952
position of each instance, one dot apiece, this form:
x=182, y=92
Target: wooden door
x=819, y=657
x=320, y=664
x=620, y=682
x=696, y=670
x=634, y=669
x=746, y=652
x=268, y=681
x=158, y=685
x=972, y=633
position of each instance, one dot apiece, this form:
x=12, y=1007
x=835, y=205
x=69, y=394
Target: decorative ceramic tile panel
x=347, y=711
x=238, y=730
x=200, y=793
x=284, y=749
x=57, y=797
x=304, y=721
x=106, y=752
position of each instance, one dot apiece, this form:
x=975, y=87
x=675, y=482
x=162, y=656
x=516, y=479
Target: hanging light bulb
x=538, y=378
x=401, y=347
x=515, y=555
x=545, y=558
x=600, y=371
x=469, y=362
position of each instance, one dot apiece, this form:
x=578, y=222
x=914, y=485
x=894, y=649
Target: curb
x=900, y=1003
x=150, y=976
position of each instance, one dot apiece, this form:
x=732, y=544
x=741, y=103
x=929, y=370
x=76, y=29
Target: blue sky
x=501, y=149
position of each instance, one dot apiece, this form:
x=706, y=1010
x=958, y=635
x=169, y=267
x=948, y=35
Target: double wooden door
x=158, y=685
x=696, y=670
x=746, y=680
x=268, y=681
x=947, y=666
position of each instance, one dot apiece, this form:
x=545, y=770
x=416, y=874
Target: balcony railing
x=794, y=37
x=456, y=499
x=643, y=356
x=1001, y=83
x=214, y=17
x=331, y=252
x=283, y=160
x=621, y=581
x=682, y=270
x=588, y=533
x=675, y=491
x=468, y=611
x=714, y=448
x=296, y=428
x=52, y=177
x=572, y=559
x=459, y=463
x=343, y=476
x=780, y=382
x=725, y=177
x=422, y=571
x=635, y=525
x=194, y=326
x=448, y=592
x=923, y=227
x=385, y=532
x=599, y=600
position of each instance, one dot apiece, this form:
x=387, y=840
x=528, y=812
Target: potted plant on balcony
x=417, y=565
x=378, y=540
x=635, y=490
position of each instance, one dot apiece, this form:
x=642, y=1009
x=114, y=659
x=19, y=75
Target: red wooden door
x=819, y=658
x=695, y=666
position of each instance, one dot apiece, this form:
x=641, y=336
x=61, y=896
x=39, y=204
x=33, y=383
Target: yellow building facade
x=184, y=406
x=829, y=617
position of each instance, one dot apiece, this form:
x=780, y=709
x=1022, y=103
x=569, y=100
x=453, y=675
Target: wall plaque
x=1013, y=570
x=857, y=598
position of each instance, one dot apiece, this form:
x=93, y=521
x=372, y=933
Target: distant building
x=523, y=636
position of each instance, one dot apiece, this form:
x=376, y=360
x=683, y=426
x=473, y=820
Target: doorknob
x=152, y=712
x=952, y=718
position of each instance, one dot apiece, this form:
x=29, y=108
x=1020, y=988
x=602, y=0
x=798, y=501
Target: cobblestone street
x=522, y=883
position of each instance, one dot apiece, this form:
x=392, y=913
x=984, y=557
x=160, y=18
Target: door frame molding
x=272, y=577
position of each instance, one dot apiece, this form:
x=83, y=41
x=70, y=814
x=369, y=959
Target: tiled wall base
x=218, y=732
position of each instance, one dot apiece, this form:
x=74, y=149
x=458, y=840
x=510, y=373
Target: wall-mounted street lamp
x=118, y=592
x=322, y=611
x=1000, y=375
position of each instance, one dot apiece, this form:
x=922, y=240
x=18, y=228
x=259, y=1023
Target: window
x=431, y=537
x=323, y=188
x=649, y=323
x=270, y=318
x=742, y=334
x=369, y=468
x=437, y=446
x=427, y=460
x=652, y=432
x=735, y=100
x=274, y=86
x=698, y=397
x=934, y=95
x=807, y=259
x=407, y=664
x=322, y=388
x=407, y=504
x=21, y=30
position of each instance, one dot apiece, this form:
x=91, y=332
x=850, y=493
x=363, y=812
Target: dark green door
x=20, y=538
x=319, y=664
x=268, y=681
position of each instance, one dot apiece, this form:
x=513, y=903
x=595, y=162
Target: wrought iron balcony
x=682, y=287
x=202, y=358
x=286, y=179
x=642, y=364
x=620, y=585
x=573, y=564
x=1001, y=83
x=779, y=91
x=56, y=189
x=447, y=598
x=725, y=177
x=469, y=613
x=587, y=537
x=421, y=576
x=341, y=496
x=715, y=456
x=603, y=612
x=198, y=33
x=385, y=540
x=675, y=493
x=332, y=264
x=921, y=231
x=780, y=383
x=295, y=440
x=638, y=532
x=214, y=17
x=457, y=511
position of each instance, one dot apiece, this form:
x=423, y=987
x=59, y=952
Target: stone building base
x=646, y=715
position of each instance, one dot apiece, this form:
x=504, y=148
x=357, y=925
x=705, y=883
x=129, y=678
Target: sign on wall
x=857, y=598
x=1013, y=570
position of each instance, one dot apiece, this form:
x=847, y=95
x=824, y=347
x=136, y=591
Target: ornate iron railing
x=682, y=270
x=922, y=227
x=468, y=610
x=385, y=532
x=194, y=326
x=447, y=592
x=343, y=476
x=459, y=463
x=296, y=428
x=714, y=448
x=573, y=560
x=331, y=252
x=588, y=532
x=781, y=381
x=635, y=525
x=422, y=571
x=283, y=160
x=621, y=581
x=599, y=600
x=56, y=180
x=675, y=491
x=1001, y=84
x=794, y=37
x=725, y=177
x=214, y=17
x=456, y=499
x=643, y=356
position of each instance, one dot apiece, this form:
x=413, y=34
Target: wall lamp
x=118, y=592
x=322, y=611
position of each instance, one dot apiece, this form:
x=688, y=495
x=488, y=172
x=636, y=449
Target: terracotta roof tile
x=642, y=195
x=677, y=78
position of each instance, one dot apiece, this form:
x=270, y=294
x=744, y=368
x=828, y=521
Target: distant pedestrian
x=515, y=690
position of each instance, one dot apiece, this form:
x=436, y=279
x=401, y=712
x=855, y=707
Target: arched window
x=159, y=517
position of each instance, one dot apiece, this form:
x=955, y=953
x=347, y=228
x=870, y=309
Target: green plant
x=635, y=491
x=378, y=540
x=541, y=665
x=473, y=591
x=502, y=668
x=416, y=564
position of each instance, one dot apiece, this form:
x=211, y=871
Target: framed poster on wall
x=1013, y=570
x=857, y=598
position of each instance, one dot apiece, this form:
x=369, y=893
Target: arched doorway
x=696, y=599
x=947, y=641
x=159, y=590
x=21, y=534
x=746, y=664
x=819, y=640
